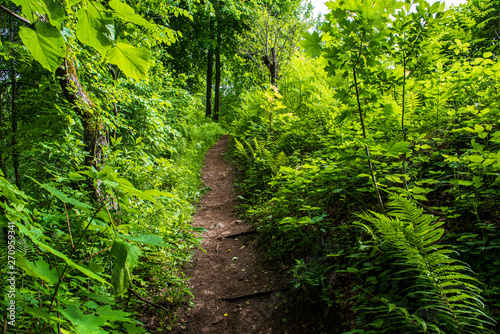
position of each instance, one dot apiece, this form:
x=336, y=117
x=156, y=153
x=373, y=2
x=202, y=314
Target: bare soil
x=235, y=290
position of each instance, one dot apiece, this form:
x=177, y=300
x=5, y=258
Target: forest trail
x=234, y=291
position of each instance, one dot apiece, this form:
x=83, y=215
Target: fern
x=447, y=299
x=412, y=101
x=240, y=148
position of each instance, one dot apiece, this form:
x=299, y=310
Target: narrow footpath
x=234, y=291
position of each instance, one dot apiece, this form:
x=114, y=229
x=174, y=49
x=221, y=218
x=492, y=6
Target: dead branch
x=145, y=300
x=251, y=295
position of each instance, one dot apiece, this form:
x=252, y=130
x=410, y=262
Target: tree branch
x=17, y=16
x=145, y=300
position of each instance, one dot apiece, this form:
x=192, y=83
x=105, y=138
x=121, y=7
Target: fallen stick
x=251, y=295
x=239, y=234
x=145, y=300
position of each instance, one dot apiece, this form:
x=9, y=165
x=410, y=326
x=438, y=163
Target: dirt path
x=234, y=291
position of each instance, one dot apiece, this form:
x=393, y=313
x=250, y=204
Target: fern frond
x=408, y=238
x=239, y=147
x=412, y=101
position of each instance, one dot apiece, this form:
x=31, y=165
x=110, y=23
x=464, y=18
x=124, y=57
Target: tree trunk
x=217, y=83
x=115, y=106
x=210, y=66
x=271, y=62
x=274, y=68
x=15, y=153
x=94, y=136
x=210, y=70
x=217, y=65
x=2, y=139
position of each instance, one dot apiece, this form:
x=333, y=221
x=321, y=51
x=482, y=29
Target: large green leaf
x=133, y=61
x=312, y=43
x=95, y=28
x=30, y=7
x=106, y=312
x=23, y=230
x=46, y=44
x=55, y=12
x=83, y=323
x=39, y=269
x=395, y=148
x=67, y=199
x=127, y=13
x=38, y=313
x=127, y=257
x=149, y=239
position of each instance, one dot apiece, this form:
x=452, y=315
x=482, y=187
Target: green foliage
x=95, y=26
x=436, y=294
x=46, y=44
x=79, y=257
x=409, y=111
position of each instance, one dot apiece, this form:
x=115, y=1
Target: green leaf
x=133, y=61
x=46, y=44
x=107, y=313
x=76, y=176
x=149, y=239
x=47, y=248
x=133, y=329
x=95, y=29
x=127, y=257
x=67, y=199
x=83, y=323
x=30, y=7
x=39, y=269
x=394, y=149
x=476, y=158
x=312, y=44
x=55, y=12
x=95, y=267
x=127, y=13
x=38, y=313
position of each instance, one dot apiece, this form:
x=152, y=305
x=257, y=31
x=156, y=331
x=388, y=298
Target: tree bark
x=94, y=136
x=271, y=62
x=217, y=65
x=210, y=66
x=217, y=83
x=15, y=153
x=115, y=106
x=2, y=138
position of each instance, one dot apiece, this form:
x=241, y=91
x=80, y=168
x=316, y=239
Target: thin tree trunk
x=271, y=62
x=115, y=106
x=15, y=153
x=217, y=84
x=217, y=65
x=210, y=65
x=2, y=139
x=274, y=68
x=210, y=70
x=367, y=150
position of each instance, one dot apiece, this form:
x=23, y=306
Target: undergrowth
x=407, y=131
